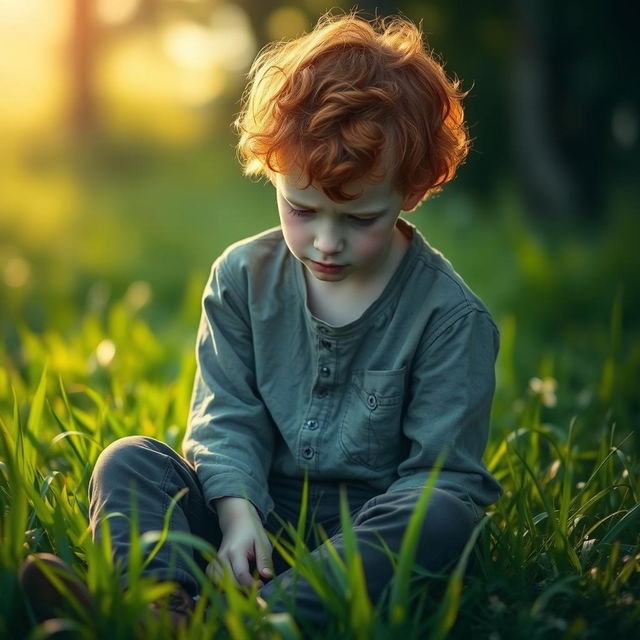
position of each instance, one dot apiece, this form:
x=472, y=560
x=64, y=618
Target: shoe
x=52, y=588
x=179, y=606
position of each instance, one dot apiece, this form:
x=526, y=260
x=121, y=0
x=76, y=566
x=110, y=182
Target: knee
x=450, y=515
x=443, y=508
x=446, y=526
x=129, y=452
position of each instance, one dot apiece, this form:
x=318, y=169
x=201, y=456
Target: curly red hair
x=331, y=102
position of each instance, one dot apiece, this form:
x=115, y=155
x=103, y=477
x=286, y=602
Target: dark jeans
x=153, y=473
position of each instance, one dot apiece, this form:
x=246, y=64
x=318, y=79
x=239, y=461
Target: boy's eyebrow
x=303, y=207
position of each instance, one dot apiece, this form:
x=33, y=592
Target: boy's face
x=340, y=242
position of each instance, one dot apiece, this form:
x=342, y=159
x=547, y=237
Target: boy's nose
x=328, y=242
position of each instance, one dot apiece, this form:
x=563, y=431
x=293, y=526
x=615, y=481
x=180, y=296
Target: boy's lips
x=325, y=267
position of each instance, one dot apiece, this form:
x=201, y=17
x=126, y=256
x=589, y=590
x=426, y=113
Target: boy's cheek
x=373, y=245
x=294, y=237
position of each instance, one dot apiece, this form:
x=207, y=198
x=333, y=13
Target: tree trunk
x=548, y=183
x=83, y=107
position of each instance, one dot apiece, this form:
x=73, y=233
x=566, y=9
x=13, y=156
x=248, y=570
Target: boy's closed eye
x=357, y=220
x=303, y=213
x=363, y=222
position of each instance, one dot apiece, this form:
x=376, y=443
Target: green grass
x=86, y=359
x=558, y=556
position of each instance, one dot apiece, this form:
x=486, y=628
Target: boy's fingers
x=244, y=579
x=240, y=570
x=263, y=562
x=215, y=570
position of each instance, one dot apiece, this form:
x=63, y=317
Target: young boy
x=338, y=346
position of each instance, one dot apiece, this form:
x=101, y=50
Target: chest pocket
x=370, y=432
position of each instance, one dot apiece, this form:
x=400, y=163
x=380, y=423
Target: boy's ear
x=412, y=200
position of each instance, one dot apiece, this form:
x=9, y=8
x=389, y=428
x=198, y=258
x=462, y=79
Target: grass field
x=557, y=557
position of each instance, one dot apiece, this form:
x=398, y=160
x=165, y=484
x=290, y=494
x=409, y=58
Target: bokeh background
x=119, y=182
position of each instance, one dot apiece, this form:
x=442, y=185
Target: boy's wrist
x=231, y=508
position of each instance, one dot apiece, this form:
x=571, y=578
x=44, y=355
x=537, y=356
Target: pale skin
x=350, y=250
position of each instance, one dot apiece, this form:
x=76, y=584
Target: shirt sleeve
x=451, y=389
x=230, y=434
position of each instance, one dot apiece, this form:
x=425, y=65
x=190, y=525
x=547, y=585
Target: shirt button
x=372, y=401
x=312, y=425
x=325, y=371
x=322, y=329
x=308, y=453
x=322, y=393
x=325, y=344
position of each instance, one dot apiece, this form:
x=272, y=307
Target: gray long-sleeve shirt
x=279, y=392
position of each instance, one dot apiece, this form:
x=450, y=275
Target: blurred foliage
x=89, y=223
x=550, y=107
x=118, y=178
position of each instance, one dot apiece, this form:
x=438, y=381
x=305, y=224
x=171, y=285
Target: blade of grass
x=360, y=610
x=400, y=584
x=627, y=520
x=448, y=610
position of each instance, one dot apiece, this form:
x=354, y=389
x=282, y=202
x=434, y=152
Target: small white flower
x=545, y=389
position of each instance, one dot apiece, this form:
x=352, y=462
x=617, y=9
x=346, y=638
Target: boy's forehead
x=294, y=186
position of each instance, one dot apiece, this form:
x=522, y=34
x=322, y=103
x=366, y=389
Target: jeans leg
x=323, y=510
x=151, y=473
x=447, y=525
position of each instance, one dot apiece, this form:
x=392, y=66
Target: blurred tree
x=548, y=183
x=575, y=113
x=550, y=108
x=551, y=105
x=83, y=42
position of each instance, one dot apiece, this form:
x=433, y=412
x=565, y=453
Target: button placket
x=311, y=430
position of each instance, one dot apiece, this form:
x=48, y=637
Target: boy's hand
x=244, y=541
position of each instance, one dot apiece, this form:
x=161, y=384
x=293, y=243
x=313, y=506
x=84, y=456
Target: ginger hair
x=352, y=100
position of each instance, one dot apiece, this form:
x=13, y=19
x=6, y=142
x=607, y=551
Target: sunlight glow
x=31, y=32
x=15, y=12
x=16, y=272
x=226, y=42
x=105, y=352
x=236, y=42
x=116, y=11
x=147, y=93
x=190, y=44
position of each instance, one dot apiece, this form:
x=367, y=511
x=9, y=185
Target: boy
x=338, y=346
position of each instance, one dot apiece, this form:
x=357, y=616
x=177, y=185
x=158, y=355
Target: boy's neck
x=340, y=303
